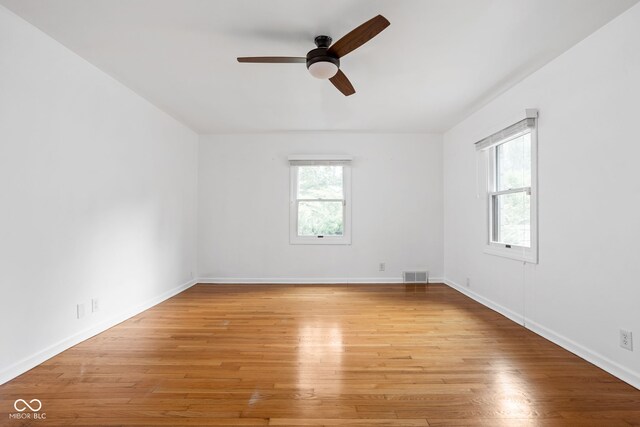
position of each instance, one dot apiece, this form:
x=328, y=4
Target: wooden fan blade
x=272, y=59
x=358, y=36
x=342, y=83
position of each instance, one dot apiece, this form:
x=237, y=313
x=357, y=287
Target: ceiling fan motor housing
x=320, y=53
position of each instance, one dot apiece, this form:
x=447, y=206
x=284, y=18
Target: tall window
x=511, y=196
x=319, y=205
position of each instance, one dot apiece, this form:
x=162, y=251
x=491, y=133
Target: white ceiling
x=437, y=62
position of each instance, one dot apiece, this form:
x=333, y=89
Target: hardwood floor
x=361, y=355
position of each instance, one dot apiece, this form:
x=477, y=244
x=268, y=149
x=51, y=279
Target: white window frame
x=331, y=160
x=520, y=253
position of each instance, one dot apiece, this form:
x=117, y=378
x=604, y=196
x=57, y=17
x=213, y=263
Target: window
x=511, y=196
x=320, y=210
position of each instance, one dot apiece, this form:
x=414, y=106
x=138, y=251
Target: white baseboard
x=510, y=314
x=615, y=369
x=608, y=365
x=34, y=360
x=308, y=280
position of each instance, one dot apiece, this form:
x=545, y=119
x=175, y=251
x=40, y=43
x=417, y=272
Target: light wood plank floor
x=362, y=355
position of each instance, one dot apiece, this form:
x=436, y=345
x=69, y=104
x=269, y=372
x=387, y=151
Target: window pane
x=320, y=219
x=320, y=182
x=512, y=224
x=513, y=163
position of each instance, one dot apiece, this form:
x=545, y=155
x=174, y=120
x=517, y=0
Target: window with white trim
x=320, y=209
x=512, y=194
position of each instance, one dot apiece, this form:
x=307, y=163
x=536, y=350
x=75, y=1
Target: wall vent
x=415, y=276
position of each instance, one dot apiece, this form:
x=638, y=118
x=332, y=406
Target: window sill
x=295, y=240
x=515, y=253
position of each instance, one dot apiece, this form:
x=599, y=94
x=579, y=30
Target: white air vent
x=415, y=277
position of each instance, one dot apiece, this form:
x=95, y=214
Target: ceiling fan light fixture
x=323, y=69
x=320, y=64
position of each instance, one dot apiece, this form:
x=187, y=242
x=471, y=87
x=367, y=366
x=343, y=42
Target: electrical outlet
x=468, y=282
x=80, y=311
x=626, y=339
x=382, y=266
x=95, y=306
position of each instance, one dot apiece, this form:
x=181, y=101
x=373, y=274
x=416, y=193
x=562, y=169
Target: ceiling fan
x=324, y=61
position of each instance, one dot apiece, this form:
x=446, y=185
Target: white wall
x=98, y=198
x=244, y=208
x=585, y=287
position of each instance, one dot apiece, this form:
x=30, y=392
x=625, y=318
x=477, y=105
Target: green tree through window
x=320, y=199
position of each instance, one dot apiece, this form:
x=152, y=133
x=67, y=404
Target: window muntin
x=319, y=210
